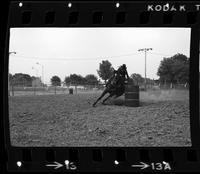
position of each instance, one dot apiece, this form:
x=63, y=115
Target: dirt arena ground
x=70, y=120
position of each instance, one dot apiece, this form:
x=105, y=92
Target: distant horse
x=115, y=85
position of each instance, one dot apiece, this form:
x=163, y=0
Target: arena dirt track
x=70, y=120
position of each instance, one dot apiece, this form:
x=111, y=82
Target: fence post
x=185, y=85
x=34, y=89
x=171, y=86
x=63, y=89
x=12, y=90
x=8, y=90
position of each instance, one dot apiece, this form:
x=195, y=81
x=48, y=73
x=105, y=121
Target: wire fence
x=165, y=86
x=52, y=90
x=55, y=90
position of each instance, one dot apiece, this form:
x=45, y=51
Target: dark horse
x=115, y=85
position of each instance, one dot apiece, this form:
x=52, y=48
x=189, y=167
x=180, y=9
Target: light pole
x=145, y=68
x=35, y=81
x=42, y=71
x=11, y=52
x=36, y=71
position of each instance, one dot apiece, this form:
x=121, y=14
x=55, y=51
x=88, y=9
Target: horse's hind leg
x=107, y=98
x=104, y=93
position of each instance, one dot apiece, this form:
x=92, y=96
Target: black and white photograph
x=99, y=87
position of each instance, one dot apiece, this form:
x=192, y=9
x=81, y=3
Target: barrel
x=132, y=95
x=70, y=90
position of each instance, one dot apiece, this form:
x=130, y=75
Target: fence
x=52, y=90
x=165, y=86
x=174, y=86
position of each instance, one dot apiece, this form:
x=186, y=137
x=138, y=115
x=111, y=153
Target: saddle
x=114, y=81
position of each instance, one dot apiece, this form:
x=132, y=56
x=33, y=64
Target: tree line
x=20, y=79
x=76, y=79
x=174, y=70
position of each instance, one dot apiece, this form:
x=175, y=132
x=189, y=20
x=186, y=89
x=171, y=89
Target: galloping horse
x=115, y=85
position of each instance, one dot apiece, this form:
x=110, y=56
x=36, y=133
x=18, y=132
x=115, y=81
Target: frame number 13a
x=160, y=166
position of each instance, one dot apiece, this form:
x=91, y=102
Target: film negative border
x=104, y=159
x=108, y=14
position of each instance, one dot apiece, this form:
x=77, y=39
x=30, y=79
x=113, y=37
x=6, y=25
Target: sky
x=65, y=51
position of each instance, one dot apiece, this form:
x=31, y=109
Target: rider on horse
x=117, y=76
